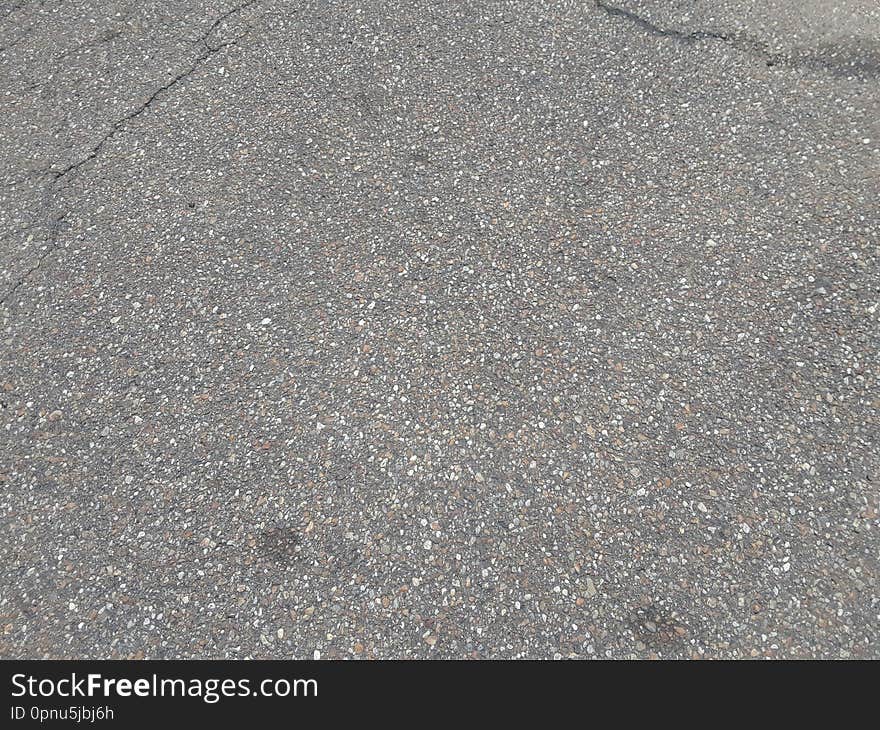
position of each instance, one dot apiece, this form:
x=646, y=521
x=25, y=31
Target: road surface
x=439, y=329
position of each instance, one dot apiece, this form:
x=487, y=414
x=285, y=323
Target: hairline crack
x=54, y=225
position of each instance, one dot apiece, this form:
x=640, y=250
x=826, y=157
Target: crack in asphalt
x=749, y=46
x=649, y=27
x=120, y=123
x=51, y=245
x=842, y=62
x=208, y=49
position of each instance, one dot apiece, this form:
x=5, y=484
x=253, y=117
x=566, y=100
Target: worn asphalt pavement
x=439, y=329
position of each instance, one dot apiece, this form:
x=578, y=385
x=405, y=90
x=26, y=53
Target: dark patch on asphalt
x=280, y=543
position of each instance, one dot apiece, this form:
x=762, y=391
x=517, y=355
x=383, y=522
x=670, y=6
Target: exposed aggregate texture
x=402, y=329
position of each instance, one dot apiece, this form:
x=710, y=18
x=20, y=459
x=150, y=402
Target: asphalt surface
x=448, y=329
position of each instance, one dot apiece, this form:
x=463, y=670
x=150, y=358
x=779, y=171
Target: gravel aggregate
x=411, y=329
